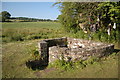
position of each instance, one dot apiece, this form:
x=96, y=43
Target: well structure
x=72, y=49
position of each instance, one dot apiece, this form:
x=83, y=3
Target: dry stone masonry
x=71, y=49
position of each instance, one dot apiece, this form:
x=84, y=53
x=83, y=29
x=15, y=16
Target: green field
x=27, y=31
x=49, y=25
x=20, y=38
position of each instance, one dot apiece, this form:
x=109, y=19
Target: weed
x=65, y=65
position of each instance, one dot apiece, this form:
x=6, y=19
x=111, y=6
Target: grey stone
x=72, y=49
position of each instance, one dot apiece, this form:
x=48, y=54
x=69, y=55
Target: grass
x=15, y=53
x=14, y=57
x=21, y=31
x=28, y=31
x=99, y=68
x=53, y=25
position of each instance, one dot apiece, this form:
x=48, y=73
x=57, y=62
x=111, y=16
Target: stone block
x=72, y=49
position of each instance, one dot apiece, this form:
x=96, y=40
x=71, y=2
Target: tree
x=73, y=13
x=110, y=12
x=67, y=18
x=5, y=15
x=100, y=16
x=70, y=13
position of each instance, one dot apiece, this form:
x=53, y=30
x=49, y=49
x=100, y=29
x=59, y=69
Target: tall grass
x=21, y=31
x=29, y=31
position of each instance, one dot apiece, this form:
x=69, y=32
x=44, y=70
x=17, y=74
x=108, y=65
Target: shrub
x=96, y=36
x=79, y=34
x=62, y=64
x=16, y=37
x=34, y=36
x=35, y=54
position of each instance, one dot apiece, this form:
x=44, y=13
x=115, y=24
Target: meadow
x=27, y=31
x=19, y=39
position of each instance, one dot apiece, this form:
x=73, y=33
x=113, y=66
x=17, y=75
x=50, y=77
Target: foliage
x=110, y=12
x=71, y=11
x=35, y=54
x=62, y=64
x=5, y=15
x=65, y=65
x=26, y=19
x=75, y=13
x=43, y=30
x=104, y=37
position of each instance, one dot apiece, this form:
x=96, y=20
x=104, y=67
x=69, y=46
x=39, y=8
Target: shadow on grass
x=116, y=50
x=40, y=64
x=36, y=64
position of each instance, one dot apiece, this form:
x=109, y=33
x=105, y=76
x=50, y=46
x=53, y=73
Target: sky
x=41, y=10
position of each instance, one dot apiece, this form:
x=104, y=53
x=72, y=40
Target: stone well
x=71, y=49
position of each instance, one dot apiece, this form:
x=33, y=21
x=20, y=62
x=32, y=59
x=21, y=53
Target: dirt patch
x=38, y=74
x=45, y=71
x=49, y=70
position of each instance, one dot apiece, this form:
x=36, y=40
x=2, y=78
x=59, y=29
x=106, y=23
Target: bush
x=79, y=34
x=96, y=36
x=16, y=37
x=35, y=54
x=79, y=64
x=34, y=36
x=62, y=64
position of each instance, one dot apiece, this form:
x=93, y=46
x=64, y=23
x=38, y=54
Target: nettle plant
x=70, y=65
x=35, y=54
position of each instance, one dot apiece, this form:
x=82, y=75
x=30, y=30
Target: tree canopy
x=74, y=13
x=5, y=15
x=110, y=12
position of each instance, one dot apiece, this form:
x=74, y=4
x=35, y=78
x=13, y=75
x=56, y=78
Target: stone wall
x=43, y=51
x=56, y=42
x=44, y=46
x=72, y=49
